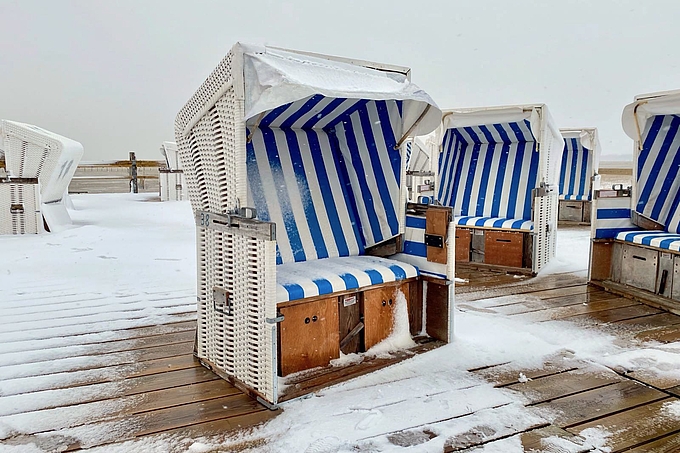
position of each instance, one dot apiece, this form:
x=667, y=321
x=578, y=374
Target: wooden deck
x=146, y=380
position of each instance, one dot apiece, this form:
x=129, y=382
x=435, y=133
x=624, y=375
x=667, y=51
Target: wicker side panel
x=213, y=157
x=545, y=230
x=20, y=209
x=237, y=338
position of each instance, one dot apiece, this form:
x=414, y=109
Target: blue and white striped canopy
x=577, y=170
x=489, y=170
x=658, y=163
x=326, y=172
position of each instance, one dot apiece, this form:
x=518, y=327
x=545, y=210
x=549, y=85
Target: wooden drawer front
x=462, y=245
x=309, y=335
x=379, y=314
x=639, y=266
x=503, y=248
x=571, y=211
x=436, y=223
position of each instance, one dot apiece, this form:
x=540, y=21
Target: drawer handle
x=641, y=258
x=503, y=240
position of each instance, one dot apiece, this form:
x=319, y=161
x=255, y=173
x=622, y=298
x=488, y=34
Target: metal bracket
x=434, y=240
x=231, y=223
x=224, y=298
x=279, y=318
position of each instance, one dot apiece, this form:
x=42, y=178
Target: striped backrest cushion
x=489, y=171
x=577, y=168
x=326, y=172
x=658, y=184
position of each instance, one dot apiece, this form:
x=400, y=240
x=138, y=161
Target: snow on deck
x=527, y=363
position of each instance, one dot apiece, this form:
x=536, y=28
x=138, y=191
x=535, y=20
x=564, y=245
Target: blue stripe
x=375, y=276
x=474, y=161
x=415, y=248
x=563, y=170
x=348, y=192
x=643, y=197
x=306, y=108
x=500, y=176
x=669, y=180
x=398, y=271
x=301, y=177
x=272, y=115
x=620, y=213
x=379, y=176
x=365, y=191
x=584, y=189
x=390, y=140
x=323, y=113
x=416, y=222
x=650, y=138
x=284, y=200
x=350, y=280
x=486, y=172
x=327, y=194
x=574, y=164
x=462, y=154
x=295, y=291
x=609, y=233
x=324, y=286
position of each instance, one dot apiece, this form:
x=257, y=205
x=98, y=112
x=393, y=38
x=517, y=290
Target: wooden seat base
x=511, y=249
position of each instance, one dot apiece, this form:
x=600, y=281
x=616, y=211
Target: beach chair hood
x=635, y=115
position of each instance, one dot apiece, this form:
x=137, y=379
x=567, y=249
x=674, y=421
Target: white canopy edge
x=276, y=77
x=589, y=138
x=67, y=143
x=478, y=116
x=169, y=151
x=647, y=106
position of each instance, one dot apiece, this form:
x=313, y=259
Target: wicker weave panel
x=545, y=229
x=28, y=197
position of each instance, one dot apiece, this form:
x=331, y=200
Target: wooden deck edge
x=641, y=296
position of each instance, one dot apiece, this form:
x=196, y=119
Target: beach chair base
x=574, y=212
x=494, y=248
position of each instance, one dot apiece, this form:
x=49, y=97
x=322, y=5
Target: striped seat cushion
x=659, y=239
x=314, y=278
x=496, y=222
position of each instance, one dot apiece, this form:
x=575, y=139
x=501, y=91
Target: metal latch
x=279, y=318
x=434, y=240
x=222, y=298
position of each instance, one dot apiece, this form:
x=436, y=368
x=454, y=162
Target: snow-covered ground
x=129, y=260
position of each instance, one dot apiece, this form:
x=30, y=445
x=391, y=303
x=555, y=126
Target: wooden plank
x=437, y=223
x=635, y=426
x=574, y=310
x=507, y=374
x=309, y=335
x=543, y=304
x=535, y=440
x=349, y=317
x=526, y=286
x=504, y=248
x=662, y=335
x=378, y=314
x=462, y=245
x=654, y=321
x=306, y=383
x=667, y=444
x=437, y=311
x=415, y=306
x=617, y=314
x=651, y=377
x=563, y=384
x=166, y=419
x=594, y=404
x=601, y=260
x=568, y=293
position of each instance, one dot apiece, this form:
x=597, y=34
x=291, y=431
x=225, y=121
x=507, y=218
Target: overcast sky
x=113, y=74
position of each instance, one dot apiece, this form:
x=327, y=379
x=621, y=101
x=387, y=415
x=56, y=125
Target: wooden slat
x=662, y=335
x=594, y=404
x=635, y=426
x=543, y=304
x=563, y=384
x=653, y=378
x=507, y=374
x=667, y=444
x=618, y=314
x=575, y=310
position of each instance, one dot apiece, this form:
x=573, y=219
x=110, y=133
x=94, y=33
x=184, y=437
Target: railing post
x=133, y=172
